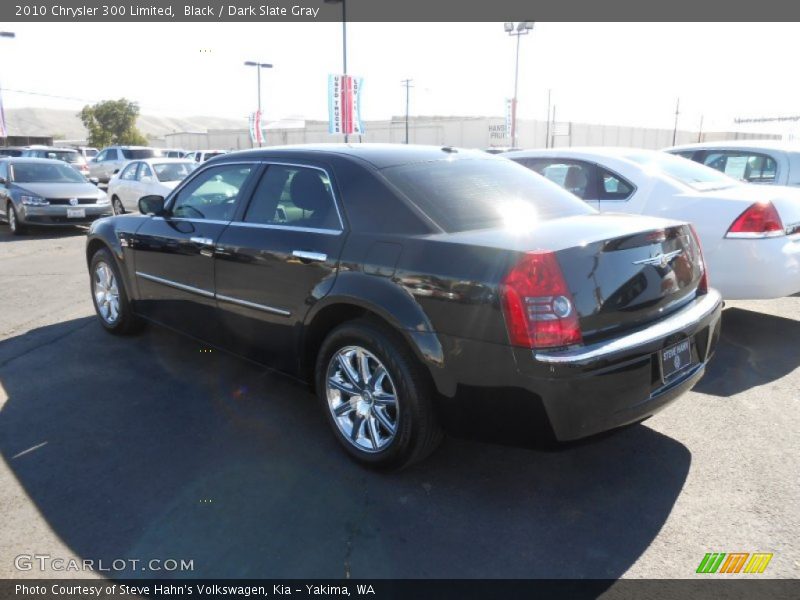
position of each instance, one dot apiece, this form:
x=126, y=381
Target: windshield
x=686, y=171
x=45, y=173
x=172, y=171
x=138, y=153
x=467, y=194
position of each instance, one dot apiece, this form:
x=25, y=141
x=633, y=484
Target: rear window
x=468, y=194
x=138, y=153
x=689, y=173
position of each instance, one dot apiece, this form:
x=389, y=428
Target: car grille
x=65, y=201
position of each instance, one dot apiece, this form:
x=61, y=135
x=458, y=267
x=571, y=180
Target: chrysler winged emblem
x=660, y=260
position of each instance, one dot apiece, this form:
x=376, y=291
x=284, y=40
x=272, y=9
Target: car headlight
x=33, y=201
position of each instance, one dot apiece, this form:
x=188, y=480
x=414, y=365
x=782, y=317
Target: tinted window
x=613, y=187
x=129, y=172
x=746, y=166
x=295, y=196
x=4, y=170
x=109, y=154
x=212, y=194
x=575, y=177
x=687, y=172
x=172, y=171
x=466, y=194
x=138, y=153
x=209, y=155
x=45, y=173
x=90, y=152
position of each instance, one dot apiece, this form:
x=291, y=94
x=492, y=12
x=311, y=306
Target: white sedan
x=750, y=234
x=138, y=178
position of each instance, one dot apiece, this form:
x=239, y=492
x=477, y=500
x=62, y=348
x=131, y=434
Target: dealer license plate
x=676, y=358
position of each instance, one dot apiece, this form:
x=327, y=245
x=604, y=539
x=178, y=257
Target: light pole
x=11, y=35
x=407, y=83
x=518, y=30
x=344, y=40
x=258, y=66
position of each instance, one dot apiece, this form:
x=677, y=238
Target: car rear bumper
x=749, y=269
x=577, y=392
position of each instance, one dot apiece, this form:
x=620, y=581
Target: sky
x=611, y=73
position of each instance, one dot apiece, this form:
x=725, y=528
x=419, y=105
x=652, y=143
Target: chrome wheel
x=362, y=399
x=106, y=293
x=12, y=218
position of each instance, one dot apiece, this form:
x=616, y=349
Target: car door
x=3, y=187
x=277, y=258
x=146, y=183
x=174, y=252
x=124, y=184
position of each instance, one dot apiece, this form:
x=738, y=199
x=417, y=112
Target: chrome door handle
x=315, y=256
x=203, y=241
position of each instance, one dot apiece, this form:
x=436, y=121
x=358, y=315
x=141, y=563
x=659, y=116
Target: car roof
x=57, y=148
x=378, y=155
x=30, y=159
x=781, y=145
x=161, y=159
x=583, y=151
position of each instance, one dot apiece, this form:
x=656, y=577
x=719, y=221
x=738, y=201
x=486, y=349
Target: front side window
x=746, y=166
x=129, y=172
x=4, y=170
x=212, y=194
x=294, y=196
x=144, y=171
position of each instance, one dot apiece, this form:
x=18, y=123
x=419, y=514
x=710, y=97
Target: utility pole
x=344, y=42
x=675, y=129
x=258, y=65
x=518, y=30
x=700, y=131
x=407, y=84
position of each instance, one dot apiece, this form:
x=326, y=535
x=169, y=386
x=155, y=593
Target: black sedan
x=415, y=287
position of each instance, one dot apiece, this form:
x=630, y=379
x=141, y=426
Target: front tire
x=13, y=220
x=116, y=206
x=376, y=395
x=111, y=301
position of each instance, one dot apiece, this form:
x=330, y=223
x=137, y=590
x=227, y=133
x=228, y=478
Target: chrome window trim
x=286, y=228
x=334, y=197
x=207, y=294
x=212, y=221
x=662, y=329
x=248, y=304
x=175, y=284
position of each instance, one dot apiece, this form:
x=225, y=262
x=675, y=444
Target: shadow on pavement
x=754, y=349
x=153, y=447
x=41, y=233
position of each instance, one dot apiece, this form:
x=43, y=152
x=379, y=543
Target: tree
x=112, y=122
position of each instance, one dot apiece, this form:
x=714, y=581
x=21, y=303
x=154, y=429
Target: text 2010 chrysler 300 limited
x=405, y=280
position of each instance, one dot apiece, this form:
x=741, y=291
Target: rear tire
x=13, y=220
x=376, y=395
x=109, y=296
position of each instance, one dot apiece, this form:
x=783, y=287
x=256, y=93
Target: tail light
x=702, y=287
x=760, y=220
x=537, y=304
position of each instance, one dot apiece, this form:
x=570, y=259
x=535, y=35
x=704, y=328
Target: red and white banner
x=344, y=104
x=256, y=128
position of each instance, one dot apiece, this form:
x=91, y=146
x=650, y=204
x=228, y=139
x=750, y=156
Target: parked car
x=41, y=191
x=755, y=161
x=111, y=159
x=11, y=150
x=88, y=152
x=144, y=178
x=751, y=234
x=400, y=278
x=173, y=153
x=74, y=158
x=201, y=156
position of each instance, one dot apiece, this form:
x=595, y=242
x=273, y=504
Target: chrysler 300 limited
x=405, y=282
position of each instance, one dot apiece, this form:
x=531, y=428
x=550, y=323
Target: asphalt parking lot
x=154, y=447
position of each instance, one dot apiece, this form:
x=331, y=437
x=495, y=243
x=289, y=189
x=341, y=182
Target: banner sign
x=509, y=115
x=344, y=104
x=3, y=128
x=256, y=128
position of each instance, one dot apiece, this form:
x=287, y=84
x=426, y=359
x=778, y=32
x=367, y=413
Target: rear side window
x=467, y=194
x=138, y=153
x=295, y=197
x=613, y=187
x=129, y=172
x=747, y=166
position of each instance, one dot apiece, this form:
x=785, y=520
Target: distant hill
x=65, y=124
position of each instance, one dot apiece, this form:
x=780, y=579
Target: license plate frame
x=675, y=359
x=76, y=213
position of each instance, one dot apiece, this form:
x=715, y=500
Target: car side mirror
x=94, y=180
x=151, y=205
